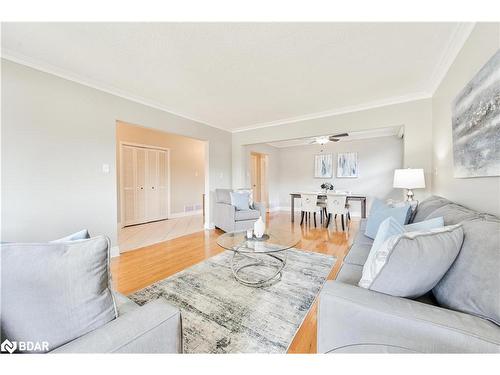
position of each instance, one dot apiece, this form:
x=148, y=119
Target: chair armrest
x=152, y=328
x=352, y=316
x=260, y=207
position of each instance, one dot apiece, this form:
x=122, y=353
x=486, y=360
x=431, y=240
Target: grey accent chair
x=229, y=219
x=352, y=319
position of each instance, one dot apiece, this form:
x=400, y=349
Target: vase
x=259, y=227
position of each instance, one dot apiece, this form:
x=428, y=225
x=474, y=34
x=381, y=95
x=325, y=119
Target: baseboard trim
x=114, y=251
x=184, y=214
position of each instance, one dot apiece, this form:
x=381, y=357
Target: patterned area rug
x=220, y=315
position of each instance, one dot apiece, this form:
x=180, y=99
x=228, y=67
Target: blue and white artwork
x=323, y=166
x=347, y=165
x=476, y=124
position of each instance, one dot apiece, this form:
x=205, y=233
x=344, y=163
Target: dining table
x=322, y=195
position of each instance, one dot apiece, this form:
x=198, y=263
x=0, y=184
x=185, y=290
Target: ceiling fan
x=325, y=139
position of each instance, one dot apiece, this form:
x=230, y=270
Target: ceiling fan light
x=322, y=140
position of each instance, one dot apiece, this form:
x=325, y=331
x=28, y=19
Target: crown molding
x=450, y=53
x=67, y=75
x=339, y=111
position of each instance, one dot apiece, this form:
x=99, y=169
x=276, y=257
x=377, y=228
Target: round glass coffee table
x=258, y=262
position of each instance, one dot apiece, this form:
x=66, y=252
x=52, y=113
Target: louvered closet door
x=129, y=185
x=153, y=196
x=163, y=183
x=141, y=214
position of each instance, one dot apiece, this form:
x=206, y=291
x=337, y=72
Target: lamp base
x=409, y=195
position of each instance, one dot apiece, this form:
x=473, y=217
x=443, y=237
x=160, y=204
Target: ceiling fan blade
x=340, y=135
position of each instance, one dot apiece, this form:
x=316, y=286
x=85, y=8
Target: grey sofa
x=352, y=319
x=229, y=219
x=53, y=292
x=153, y=328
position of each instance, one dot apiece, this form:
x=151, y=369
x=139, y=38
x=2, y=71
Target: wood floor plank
x=139, y=268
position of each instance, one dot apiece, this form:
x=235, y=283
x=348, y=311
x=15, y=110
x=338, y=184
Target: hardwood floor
x=137, y=269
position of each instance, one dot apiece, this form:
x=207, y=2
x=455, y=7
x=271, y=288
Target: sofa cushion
x=453, y=214
x=427, y=206
x=472, y=284
x=241, y=215
x=55, y=292
x=350, y=274
x=420, y=259
x=358, y=253
x=380, y=212
x=223, y=195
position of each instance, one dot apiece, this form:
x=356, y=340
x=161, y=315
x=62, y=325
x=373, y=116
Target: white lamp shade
x=409, y=178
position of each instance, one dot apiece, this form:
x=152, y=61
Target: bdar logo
x=8, y=346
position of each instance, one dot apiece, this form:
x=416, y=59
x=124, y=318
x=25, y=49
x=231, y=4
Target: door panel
x=141, y=195
x=163, y=184
x=129, y=186
x=153, y=198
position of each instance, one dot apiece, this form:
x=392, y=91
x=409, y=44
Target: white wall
x=416, y=116
x=56, y=134
x=480, y=193
x=377, y=159
x=273, y=180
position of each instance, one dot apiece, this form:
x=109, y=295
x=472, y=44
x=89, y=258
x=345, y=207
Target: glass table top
x=272, y=241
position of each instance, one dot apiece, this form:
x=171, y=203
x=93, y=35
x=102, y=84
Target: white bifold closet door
x=144, y=184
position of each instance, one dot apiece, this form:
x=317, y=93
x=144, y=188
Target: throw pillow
x=426, y=225
x=472, y=284
x=411, y=264
x=379, y=212
x=80, y=235
x=55, y=292
x=240, y=200
x=250, y=196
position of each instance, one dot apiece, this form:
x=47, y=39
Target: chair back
x=309, y=202
x=335, y=203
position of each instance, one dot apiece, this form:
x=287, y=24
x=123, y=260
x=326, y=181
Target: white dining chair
x=309, y=205
x=336, y=204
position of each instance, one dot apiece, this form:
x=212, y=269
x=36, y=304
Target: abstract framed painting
x=476, y=124
x=323, y=166
x=347, y=165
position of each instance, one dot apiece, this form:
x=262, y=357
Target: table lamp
x=409, y=179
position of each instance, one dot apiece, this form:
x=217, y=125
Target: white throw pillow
x=412, y=263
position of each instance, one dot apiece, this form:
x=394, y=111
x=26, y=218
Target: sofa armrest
x=260, y=207
x=350, y=316
x=152, y=328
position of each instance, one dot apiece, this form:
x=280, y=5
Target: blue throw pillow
x=240, y=200
x=437, y=222
x=380, y=212
x=389, y=227
x=80, y=235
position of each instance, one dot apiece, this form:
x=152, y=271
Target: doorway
x=259, y=165
x=162, y=179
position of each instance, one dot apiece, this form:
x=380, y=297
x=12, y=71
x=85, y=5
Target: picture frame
x=323, y=166
x=347, y=165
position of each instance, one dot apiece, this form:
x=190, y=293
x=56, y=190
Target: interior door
x=141, y=193
x=163, y=183
x=264, y=194
x=254, y=176
x=128, y=194
x=152, y=197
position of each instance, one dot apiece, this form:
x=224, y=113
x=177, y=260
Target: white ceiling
x=243, y=75
x=353, y=136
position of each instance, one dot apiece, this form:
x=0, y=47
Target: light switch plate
x=105, y=168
